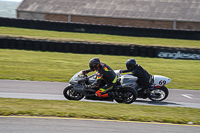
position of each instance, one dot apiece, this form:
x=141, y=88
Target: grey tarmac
x=53, y=91
x=65, y=125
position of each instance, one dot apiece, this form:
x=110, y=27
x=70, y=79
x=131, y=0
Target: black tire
x=130, y=92
x=70, y=94
x=162, y=91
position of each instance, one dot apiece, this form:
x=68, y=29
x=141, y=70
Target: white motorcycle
x=157, y=92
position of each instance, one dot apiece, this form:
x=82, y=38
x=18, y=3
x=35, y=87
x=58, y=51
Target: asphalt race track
x=53, y=91
x=67, y=125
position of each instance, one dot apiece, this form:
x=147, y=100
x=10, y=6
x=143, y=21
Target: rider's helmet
x=130, y=64
x=94, y=64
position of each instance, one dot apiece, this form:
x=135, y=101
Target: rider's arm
x=86, y=71
x=124, y=71
x=97, y=82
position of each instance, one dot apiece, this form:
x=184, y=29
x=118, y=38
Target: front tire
x=159, y=94
x=70, y=94
x=129, y=95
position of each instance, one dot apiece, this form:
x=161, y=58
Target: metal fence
x=101, y=29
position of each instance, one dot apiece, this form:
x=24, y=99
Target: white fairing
x=117, y=73
x=128, y=80
x=160, y=80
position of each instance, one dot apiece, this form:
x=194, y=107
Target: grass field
x=102, y=38
x=52, y=66
x=97, y=110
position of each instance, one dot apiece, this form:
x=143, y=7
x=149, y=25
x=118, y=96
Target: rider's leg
x=105, y=88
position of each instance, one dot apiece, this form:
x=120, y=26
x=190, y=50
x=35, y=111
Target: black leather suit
x=107, y=74
x=144, y=78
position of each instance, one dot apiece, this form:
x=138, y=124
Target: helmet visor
x=129, y=66
x=93, y=66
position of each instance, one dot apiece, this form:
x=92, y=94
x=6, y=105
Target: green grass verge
x=103, y=38
x=52, y=66
x=47, y=66
x=97, y=110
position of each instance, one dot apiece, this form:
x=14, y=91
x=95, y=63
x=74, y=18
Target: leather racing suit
x=104, y=73
x=144, y=78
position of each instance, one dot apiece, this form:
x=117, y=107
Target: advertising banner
x=190, y=55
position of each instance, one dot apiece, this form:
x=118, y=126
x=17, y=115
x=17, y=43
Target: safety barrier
x=101, y=29
x=98, y=48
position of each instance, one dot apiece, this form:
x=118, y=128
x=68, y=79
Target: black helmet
x=94, y=64
x=130, y=64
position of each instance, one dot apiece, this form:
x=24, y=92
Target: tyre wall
x=98, y=48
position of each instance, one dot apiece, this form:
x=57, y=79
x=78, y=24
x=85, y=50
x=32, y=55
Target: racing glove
x=86, y=71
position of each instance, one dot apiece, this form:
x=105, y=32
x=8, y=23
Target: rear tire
x=70, y=94
x=130, y=95
x=162, y=91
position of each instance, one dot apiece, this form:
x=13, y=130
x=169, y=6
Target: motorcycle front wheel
x=70, y=94
x=126, y=95
x=159, y=94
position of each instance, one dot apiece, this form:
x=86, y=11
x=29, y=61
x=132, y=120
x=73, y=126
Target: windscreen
x=77, y=76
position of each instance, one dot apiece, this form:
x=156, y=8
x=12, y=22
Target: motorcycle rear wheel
x=161, y=92
x=130, y=95
x=70, y=94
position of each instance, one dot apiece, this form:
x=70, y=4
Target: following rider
x=144, y=78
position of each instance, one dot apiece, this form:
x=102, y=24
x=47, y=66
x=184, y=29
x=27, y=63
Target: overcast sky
x=12, y=0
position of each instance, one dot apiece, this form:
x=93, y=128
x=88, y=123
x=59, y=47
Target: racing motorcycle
x=121, y=93
x=157, y=91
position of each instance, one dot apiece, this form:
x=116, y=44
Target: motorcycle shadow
x=156, y=103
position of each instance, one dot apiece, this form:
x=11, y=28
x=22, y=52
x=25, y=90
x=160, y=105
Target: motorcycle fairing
x=127, y=80
x=159, y=81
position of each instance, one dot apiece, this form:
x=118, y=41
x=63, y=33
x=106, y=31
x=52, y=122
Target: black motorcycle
x=121, y=93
